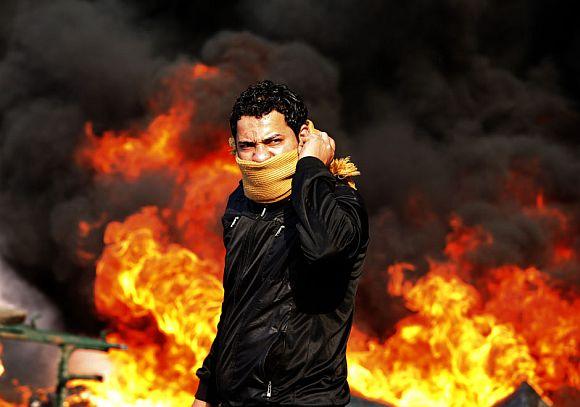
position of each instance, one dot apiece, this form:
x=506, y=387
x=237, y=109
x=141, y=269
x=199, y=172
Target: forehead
x=257, y=127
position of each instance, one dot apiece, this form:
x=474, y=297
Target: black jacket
x=291, y=272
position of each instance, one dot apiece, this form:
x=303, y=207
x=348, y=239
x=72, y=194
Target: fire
x=450, y=353
x=460, y=349
x=470, y=341
x=3, y=403
x=2, y=370
x=158, y=280
x=549, y=324
x=131, y=153
x=563, y=250
x=23, y=391
x=164, y=302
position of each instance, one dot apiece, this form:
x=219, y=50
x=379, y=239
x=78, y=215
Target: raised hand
x=316, y=143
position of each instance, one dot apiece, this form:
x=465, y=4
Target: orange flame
x=22, y=392
x=130, y=153
x=4, y=403
x=164, y=302
x=161, y=298
x=449, y=354
x=549, y=324
x=2, y=370
x=459, y=350
x=130, y=156
x=562, y=249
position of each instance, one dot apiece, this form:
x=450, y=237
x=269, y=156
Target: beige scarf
x=271, y=180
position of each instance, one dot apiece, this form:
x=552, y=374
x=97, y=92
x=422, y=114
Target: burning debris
x=524, y=396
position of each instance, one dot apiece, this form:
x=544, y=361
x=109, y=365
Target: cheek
x=245, y=155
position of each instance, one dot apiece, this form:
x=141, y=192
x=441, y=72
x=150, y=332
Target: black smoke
x=63, y=63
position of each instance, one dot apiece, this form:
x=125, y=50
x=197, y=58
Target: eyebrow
x=264, y=140
x=269, y=138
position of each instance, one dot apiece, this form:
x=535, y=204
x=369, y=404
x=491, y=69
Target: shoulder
x=237, y=197
x=350, y=199
x=343, y=189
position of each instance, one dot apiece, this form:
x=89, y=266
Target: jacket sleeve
x=332, y=218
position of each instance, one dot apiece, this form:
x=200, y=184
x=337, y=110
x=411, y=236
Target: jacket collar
x=258, y=210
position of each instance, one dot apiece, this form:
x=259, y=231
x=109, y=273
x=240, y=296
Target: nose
x=261, y=153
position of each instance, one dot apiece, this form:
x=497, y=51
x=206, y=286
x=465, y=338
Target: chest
x=259, y=248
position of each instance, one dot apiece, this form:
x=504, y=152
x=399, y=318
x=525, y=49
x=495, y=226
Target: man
x=295, y=238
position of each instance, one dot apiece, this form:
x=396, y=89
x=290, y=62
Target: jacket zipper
x=246, y=255
x=269, y=391
x=265, y=374
x=250, y=235
x=279, y=231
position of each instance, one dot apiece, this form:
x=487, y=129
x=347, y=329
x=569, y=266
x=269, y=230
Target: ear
x=232, y=143
x=304, y=130
x=302, y=135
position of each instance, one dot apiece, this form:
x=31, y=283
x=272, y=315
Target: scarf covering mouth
x=271, y=180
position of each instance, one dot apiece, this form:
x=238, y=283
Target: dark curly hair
x=265, y=96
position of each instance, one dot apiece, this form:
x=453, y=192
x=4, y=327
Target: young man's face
x=259, y=139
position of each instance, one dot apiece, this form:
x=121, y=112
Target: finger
x=324, y=138
x=305, y=135
x=307, y=139
x=327, y=140
x=313, y=130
